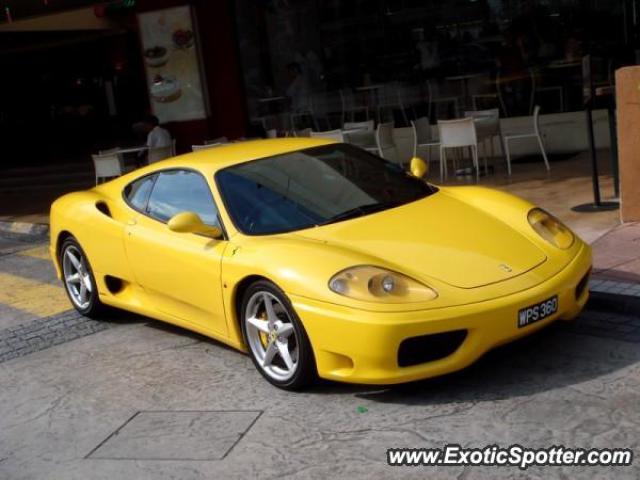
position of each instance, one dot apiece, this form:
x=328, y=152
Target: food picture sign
x=171, y=63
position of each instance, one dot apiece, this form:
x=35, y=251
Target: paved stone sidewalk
x=135, y=399
x=616, y=255
x=46, y=332
x=144, y=401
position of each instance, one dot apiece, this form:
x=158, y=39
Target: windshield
x=312, y=187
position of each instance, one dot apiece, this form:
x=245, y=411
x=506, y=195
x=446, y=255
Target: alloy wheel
x=271, y=336
x=77, y=277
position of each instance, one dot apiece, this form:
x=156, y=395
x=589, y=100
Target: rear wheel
x=275, y=337
x=78, y=279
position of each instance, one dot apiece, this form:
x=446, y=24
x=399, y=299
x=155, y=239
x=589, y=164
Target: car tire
x=272, y=335
x=78, y=279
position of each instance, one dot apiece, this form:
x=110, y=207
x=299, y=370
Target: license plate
x=537, y=312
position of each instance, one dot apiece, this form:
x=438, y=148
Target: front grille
x=582, y=285
x=427, y=348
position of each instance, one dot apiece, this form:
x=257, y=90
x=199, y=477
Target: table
x=131, y=150
x=140, y=148
x=270, y=105
x=365, y=88
x=465, y=83
x=271, y=99
x=370, y=91
x=564, y=64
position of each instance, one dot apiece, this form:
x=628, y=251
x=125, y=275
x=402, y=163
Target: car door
x=179, y=272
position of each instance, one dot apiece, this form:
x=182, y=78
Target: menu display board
x=172, y=64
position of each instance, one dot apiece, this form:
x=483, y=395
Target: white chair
x=110, y=151
x=487, y=129
x=391, y=99
x=321, y=108
x=361, y=134
x=457, y=133
x=367, y=125
x=116, y=151
x=159, y=153
x=107, y=166
x=349, y=106
x=434, y=100
x=530, y=134
x=303, y=115
x=217, y=141
x=536, y=90
x=421, y=130
x=385, y=141
x=484, y=101
x=330, y=134
x=195, y=148
x=305, y=132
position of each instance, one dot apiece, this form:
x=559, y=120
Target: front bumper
x=359, y=346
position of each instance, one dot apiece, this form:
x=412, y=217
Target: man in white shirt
x=298, y=90
x=157, y=136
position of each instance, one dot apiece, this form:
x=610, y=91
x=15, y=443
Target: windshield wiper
x=360, y=211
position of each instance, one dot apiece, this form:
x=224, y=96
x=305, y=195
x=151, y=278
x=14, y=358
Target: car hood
x=437, y=237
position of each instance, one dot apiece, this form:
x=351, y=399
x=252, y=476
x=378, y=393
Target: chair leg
x=484, y=149
x=476, y=163
x=484, y=154
x=443, y=160
x=404, y=116
x=507, y=154
x=544, y=154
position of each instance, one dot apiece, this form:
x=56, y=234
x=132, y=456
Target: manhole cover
x=183, y=435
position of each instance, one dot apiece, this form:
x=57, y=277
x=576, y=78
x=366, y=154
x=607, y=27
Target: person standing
x=157, y=137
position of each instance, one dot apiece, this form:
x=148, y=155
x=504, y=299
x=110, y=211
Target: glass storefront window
x=318, y=63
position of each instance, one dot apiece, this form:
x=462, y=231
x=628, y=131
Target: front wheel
x=78, y=279
x=276, y=339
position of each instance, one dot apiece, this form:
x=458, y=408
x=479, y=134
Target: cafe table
x=371, y=93
x=464, y=78
x=136, y=149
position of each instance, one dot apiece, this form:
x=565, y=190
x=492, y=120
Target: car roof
x=210, y=160
x=228, y=154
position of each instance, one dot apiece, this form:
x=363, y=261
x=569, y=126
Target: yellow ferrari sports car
x=320, y=259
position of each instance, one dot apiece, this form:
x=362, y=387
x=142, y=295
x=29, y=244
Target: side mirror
x=419, y=168
x=190, y=222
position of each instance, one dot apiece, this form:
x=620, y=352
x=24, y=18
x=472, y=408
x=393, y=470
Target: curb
x=24, y=229
x=613, y=296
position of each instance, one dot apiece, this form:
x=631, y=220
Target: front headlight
x=550, y=228
x=374, y=284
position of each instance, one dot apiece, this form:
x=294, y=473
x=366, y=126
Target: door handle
x=131, y=221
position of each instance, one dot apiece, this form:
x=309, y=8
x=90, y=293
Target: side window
x=137, y=192
x=178, y=191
